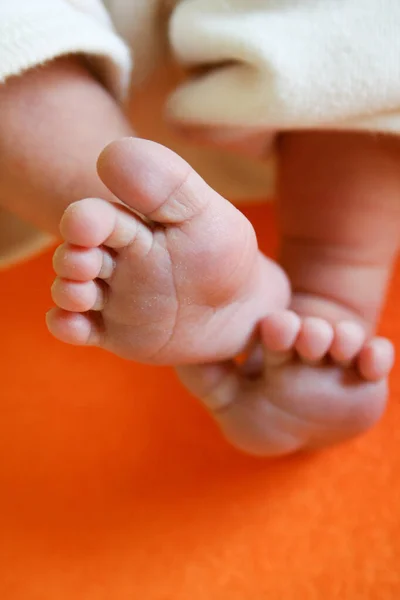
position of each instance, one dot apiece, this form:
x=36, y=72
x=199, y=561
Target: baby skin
x=172, y=274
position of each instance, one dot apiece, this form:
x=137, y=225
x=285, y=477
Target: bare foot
x=308, y=384
x=184, y=284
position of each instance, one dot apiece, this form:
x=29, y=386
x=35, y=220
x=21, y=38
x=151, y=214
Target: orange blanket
x=115, y=485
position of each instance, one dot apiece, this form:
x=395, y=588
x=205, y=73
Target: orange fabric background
x=115, y=485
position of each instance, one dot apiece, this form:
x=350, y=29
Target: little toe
x=376, y=359
x=77, y=296
x=314, y=340
x=82, y=264
x=348, y=341
x=74, y=328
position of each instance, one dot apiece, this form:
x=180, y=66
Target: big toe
x=155, y=182
x=376, y=359
x=151, y=179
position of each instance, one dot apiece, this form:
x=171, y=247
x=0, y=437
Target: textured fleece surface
x=115, y=485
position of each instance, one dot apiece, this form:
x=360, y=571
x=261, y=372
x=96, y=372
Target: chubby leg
x=54, y=122
x=320, y=376
x=340, y=219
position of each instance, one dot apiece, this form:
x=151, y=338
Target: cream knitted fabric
x=279, y=64
x=35, y=31
x=289, y=64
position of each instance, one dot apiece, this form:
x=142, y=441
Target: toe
x=76, y=296
x=81, y=264
x=279, y=333
x=127, y=168
x=93, y=222
x=88, y=223
x=347, y=342
x=175, y=195
x=314, y=339
x=74, y=328
x=376, y=359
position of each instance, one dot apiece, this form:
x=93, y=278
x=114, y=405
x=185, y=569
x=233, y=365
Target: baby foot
x=173, y=276
x=308, y=384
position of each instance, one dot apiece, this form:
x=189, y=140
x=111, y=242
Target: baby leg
x=321, y=377
x=340, y=219
x=54, y=122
